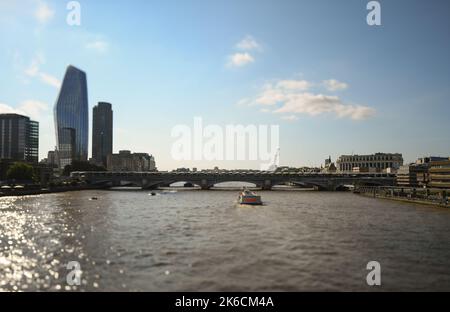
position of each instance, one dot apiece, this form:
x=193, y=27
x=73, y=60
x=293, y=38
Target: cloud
x=33, y=108
x=43, y=12
x=291, y=98
x=294, y=84
x=30, y=108
x=290, y=118
x=317, y=104
x=6, y=109
x=99, y=46
x=334, y=85
x=243, y=57
x=50, y=80
x=34, y=71
x=240, y=59
x=247, y=44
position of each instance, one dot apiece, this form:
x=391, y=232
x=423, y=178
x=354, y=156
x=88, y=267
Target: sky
x=333, y=84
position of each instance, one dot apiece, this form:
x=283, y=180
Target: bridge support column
x=267, y=185
x=205, y=185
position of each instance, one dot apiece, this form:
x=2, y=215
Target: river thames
x=194, y=240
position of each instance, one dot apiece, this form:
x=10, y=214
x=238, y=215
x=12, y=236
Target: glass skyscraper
x=72, y=118
x=102, y=133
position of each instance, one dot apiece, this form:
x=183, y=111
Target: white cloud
x=317, y=104
x=43, y=12
x=30, y=108
x=34, y=71
x=99, y=46
x=289, y=97
x=290, y=117
x=334, y=85
x=240, y=59
x=50, y=80
x=6, y=109
x=294, y=84
x=243, y=57
x=247, y=44
x=33, y=108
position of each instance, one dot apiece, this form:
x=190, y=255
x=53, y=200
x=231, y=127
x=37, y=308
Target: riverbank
x=40, y=191
x=431, y=197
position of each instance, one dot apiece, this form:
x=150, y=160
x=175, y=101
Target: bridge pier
x=267, y=185
x=205, y=185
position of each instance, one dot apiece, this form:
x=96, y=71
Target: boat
x=247, y=197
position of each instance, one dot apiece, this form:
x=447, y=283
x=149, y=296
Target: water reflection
x=203, y=240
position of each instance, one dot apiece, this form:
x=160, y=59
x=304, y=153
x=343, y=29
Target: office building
x=439, y=174
x=102, y=133
x=413, y=175
x=71, y=118
x=19, y=138
x=378, y=162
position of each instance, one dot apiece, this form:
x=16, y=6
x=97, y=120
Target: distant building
x=52, y=159
x=330, y=167
x=19, y=138
x=102, y=133
x=429, y=159
x=417, y=174
x=126, y=161
x=182, y=170
x=328, y=162
x=439, y=174
x=376, y=162
x=71, y=118
x=413, y=175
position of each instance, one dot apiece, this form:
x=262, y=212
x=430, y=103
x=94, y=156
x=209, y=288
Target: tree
x=21, y=172
x=81, y=166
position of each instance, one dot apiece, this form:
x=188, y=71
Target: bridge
x=262, y=179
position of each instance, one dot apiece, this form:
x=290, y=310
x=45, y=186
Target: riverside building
x=375, y=162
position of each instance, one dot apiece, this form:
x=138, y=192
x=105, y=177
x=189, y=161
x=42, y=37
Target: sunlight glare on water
x=203, y=241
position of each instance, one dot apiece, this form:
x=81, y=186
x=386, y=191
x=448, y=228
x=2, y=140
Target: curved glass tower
x=72, y=117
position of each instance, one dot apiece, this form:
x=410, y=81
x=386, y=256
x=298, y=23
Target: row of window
x=368, y=158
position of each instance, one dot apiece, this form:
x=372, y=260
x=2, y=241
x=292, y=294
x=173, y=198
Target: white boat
x=247, y=197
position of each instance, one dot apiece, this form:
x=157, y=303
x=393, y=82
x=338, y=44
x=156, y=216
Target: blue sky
x=332, y=83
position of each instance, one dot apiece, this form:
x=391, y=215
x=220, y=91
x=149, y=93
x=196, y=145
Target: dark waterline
x=203, y=240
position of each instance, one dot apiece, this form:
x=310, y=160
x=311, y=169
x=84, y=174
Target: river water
x=203, y=241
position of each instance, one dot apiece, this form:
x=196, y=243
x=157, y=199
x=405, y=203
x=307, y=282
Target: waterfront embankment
x=426, y=196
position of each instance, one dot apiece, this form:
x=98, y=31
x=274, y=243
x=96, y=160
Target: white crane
x=275, y=162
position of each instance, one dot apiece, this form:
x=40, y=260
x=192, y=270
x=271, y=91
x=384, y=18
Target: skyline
x=334, y=84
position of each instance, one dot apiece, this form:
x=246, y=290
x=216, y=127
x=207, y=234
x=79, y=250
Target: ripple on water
x=195, y=240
